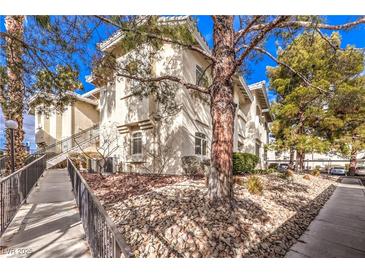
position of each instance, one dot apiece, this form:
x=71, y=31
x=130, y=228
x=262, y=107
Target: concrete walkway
x=49, y=224
x=339, y=228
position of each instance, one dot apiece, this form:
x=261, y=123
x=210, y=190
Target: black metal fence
x=15, y=188
x=104, y=239
x=3, y=161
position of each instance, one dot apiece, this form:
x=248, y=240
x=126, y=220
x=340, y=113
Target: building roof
x=94, y=93
x=260, y=90
x=116, y=37
x=75, y=95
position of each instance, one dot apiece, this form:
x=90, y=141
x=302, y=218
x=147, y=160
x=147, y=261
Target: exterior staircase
x=58, y=152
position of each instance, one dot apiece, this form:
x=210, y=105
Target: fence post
x=26, y=185
x=116, y=251
x=2, y=208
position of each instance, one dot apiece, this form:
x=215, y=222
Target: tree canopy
x=316, y=115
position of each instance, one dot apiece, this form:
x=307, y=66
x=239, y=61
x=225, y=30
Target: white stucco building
x=140, y=136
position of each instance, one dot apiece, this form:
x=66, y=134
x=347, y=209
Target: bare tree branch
x=241, y=33
x=164, y=78
x=260, y=37
x=335, y=47
x=306, y=24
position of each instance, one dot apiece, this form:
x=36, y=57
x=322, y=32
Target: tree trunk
x=299, y=161
x=220, y=184
x=13, y=107
x=291, y=158
x=353, y=162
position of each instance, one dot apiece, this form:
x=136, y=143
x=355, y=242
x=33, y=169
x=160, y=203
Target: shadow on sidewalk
x=279, y=242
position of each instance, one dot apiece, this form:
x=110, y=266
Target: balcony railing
x=68, y=143
x=15, y=188
x=104, y=239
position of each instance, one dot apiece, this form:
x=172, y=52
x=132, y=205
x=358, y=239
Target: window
x=200, y=144
x=257, y=149
x=199, y=75
x=136, y=143
x=39, y=119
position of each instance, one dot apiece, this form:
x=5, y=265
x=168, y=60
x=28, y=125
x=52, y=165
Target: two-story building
x=138, y=134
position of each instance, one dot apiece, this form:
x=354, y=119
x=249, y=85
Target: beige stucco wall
x=67, y=122
x=85, y=116
x=43, y=130
x=54, y=126
x=119, y=109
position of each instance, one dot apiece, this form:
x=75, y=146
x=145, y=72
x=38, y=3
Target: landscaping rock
x=170, y=216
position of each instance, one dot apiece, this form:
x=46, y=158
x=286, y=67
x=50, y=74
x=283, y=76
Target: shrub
x=289, y=173
x=254, y=185
x=244, y=162
x=238, y=180
x=77, y=160
x=306, y=177
x=316, y=172
x=273, y=166
x=264, y=171
x=192, y=165
x=259, y=171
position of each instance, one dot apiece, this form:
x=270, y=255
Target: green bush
x=273, y=166
x=244, y=162
x=264, y=171
x=254, y=185
x=287, y=175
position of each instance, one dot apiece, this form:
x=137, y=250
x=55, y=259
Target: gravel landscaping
x=169, y=216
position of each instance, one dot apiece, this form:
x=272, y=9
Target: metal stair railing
x=104, y=239
x=69, y=143
x=15, y=188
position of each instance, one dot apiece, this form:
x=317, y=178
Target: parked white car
x=338, y=170
x=360, y=171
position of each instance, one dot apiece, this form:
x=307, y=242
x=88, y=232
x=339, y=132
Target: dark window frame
x=136, y=144
x=200, y=144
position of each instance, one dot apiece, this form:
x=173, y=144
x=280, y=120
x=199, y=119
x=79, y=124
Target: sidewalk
x=49, y=224
x=339, y=228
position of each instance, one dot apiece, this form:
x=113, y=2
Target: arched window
x=200, y=144
x=137, y=143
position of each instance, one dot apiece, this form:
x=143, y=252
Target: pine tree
x=12, y=103
x=232, y=46
x=40, y=46
x=345, y=118
x=305, y=112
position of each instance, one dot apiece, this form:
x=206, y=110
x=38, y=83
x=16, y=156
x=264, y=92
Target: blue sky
x=355, y=36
